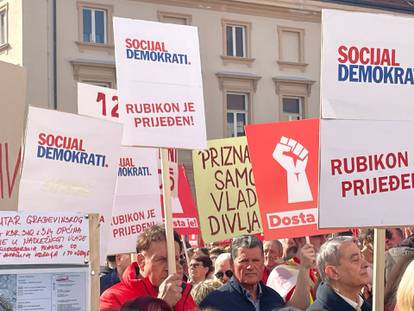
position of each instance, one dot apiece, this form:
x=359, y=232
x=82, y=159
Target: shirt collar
x=241, y=289
x=355, y=305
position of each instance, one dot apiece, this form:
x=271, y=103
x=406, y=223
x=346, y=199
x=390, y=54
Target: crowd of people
x=332, y=273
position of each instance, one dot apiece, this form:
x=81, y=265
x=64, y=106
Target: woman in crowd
x=394, y=280
x=405, y=294
x=200, y=268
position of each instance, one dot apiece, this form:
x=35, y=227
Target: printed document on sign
x=44, y=289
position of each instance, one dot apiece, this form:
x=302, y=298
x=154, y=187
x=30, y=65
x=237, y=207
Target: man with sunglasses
x=222, y=268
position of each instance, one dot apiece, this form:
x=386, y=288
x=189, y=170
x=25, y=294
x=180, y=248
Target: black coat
x=327, y=299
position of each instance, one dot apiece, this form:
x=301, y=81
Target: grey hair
x=329, y=254
x=245, y=241
x=278, y=244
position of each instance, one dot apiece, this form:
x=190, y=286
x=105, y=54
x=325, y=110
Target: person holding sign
x=152, y=278
x=344, y=272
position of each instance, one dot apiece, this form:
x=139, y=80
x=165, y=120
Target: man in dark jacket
x=343, y=270
x=149, y=276
x=245, y=291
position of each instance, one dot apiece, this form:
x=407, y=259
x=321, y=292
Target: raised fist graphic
x=293, y=157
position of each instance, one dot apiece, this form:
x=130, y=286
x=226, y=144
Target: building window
x=292, y=108
x=174, y=18
x=94, y=72
x=94, y=25
x=98, y=83
x=3, y=26
x=294, y=96
x=291, y=48
x=237, y=114
x=236, y=42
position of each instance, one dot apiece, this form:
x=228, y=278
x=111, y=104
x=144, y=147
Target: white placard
x=43, y=238
x=137, y=197
x=137, y=202
x=159, y=83
x=70, y=164
x=97, y=101
x=366, y=173
x=367, y=66
x=45, y=289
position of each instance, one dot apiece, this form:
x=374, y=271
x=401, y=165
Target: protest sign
x=160, y=85
x=284, y=157
x=43, y=238
x=50, y=289
x=226, y=194
x=185, y=220
x=137, y=200
x=137, y=195
x=12, y=122
x=366, y=74
x=366, y=173
x=97, y=101
x=70, y=164
x=101, y=102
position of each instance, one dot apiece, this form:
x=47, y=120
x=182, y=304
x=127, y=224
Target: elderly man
x=343, y=270
x=244, y=291
x=222, y=268
x=273, y=256
x=149, y=275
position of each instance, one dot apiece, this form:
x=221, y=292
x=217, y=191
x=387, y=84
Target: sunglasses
x=221, y=274
x=195, y=265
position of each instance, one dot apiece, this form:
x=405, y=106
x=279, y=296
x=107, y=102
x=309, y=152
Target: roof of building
x=403, y=6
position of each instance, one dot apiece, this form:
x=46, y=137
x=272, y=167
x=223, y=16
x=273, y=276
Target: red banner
x=285, y=159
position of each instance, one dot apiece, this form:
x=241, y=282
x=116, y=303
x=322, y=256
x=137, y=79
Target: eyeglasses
x=221, y=274
x=195, y=265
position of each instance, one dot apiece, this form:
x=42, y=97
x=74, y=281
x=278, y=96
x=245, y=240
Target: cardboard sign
x=186, y=220
x=160, y=85
x=366, y=74
x=12, y=122
x=97, y=101
x=226, y=194
x=137, y=199
x=43, y=238
x=70, y=164
x=367, y=176
x=285, y=164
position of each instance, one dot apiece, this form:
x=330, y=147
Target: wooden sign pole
x=166, y=191
x=94, y=259
x=379, y=265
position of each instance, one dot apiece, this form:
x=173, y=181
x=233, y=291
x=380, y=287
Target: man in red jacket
x=149, y=275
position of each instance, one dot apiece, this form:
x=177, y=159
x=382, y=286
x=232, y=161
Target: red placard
x=284, y=157
x=187, y=221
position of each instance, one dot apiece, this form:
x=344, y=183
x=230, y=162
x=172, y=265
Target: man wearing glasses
x=222, y=268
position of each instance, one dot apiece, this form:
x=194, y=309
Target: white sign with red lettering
x=137, y=202
x=97, y=101
x=70, y=164
x=366, y=173
x=43, y=238
x=366, y=74
x=160, y=84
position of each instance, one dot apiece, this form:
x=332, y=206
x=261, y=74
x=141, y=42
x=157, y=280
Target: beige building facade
x=260, y=58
